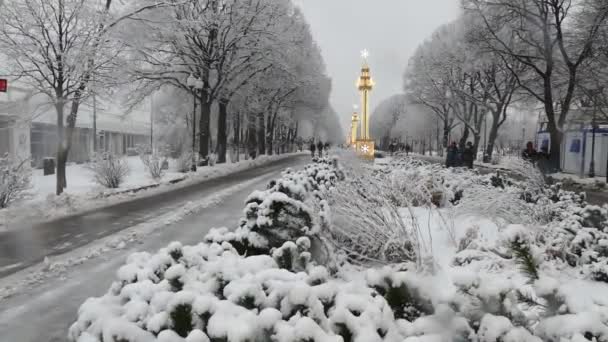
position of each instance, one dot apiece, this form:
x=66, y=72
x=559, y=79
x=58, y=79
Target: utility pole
x=593, y=126
x=94, y=123
x=485, y=139
x=152, y=123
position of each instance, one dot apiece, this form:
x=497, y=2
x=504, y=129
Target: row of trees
x=260, y=71
x=505, y=52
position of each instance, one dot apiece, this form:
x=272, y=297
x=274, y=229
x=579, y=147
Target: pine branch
x=524, y=258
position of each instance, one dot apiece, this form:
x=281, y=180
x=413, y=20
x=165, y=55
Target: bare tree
x=550, y=40
x=56, y=48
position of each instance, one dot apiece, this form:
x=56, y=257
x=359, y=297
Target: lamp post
x=593, y=127
x=195, y=84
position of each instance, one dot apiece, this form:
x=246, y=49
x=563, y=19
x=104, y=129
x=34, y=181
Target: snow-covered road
x=29, y=245
x=44, y=312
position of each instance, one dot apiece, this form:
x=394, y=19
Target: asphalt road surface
x=29, y=245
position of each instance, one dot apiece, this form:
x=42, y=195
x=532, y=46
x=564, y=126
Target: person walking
x=452, y=155
x=468, y=155
x=320, y=148
x=408, y=149
x=529, y=153
x=313, y=148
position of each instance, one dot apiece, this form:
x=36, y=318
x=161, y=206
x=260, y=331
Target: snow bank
x=500, y=279
x=83, y=194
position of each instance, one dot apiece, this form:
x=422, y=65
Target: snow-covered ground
x=59, y=286
x=83, y=194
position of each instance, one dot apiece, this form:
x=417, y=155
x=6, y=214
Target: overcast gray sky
x=390, y=29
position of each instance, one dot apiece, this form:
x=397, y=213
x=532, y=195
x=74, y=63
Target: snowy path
x=27, y=246
x=45, y=312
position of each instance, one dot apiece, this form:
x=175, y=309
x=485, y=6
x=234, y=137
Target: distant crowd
x=460, y=157
x=320, y=147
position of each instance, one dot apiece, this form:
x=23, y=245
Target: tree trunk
x=222, y=136
x=237, y=135
x=261, y=132
x=464, y=138
x=446, y=132
x=476, y=141
x=491, y=140
x=205, y=128
x=61, y=158
x=252, y=143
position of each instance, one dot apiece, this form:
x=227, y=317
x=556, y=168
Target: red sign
x=3, y=85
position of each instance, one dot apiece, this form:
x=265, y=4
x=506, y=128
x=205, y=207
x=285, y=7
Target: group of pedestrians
x=540, y=159
x=460, y=157
x=394, y=147
x=320, y=146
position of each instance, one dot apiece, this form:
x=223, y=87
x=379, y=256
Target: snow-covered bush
x=283, y=212
x=365, y=224
x=212, y=159
x=153, y=162
x=14, y=179
x=154, y=165
x=184, y=162
x=211, y=293
x=109, y=170
x=542, y=281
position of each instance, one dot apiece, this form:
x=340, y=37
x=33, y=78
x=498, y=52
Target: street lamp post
x=195, y=84
x=593, y=127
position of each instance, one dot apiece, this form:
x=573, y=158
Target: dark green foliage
x=406, y=303
x=523, y=256
x=248, y=302
x=176, y=254
x=219, y=339
x=600, y=275
x=497, y=181
x=550, y=305
x=328, y=303
x=176, y=284
x=302, y=309
x=342, y=330
x=181, y=319
x=204, y=317
x=594, y=217
x=244, y=248
x=221, y=285
x=458, y=195
x=284, y=259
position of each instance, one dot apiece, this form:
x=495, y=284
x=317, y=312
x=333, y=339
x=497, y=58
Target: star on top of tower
x=365, y=54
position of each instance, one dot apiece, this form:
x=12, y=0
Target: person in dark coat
x=468, y=155
x=408, y=149
x=320, y=148
x=452, y=155
x=529, y=153
x=313, y=148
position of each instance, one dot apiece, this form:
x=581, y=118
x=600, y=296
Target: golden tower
x=365, y=84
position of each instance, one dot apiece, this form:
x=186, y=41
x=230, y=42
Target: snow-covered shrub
x=184, y=162
x=109, y=170
x=212, y=159
x=153, y=163
x=283, y=212
x=366, y=225
x=14, y=179
x=223, y=296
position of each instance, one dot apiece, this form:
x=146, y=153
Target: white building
x=576, y=148
x=28, y=127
